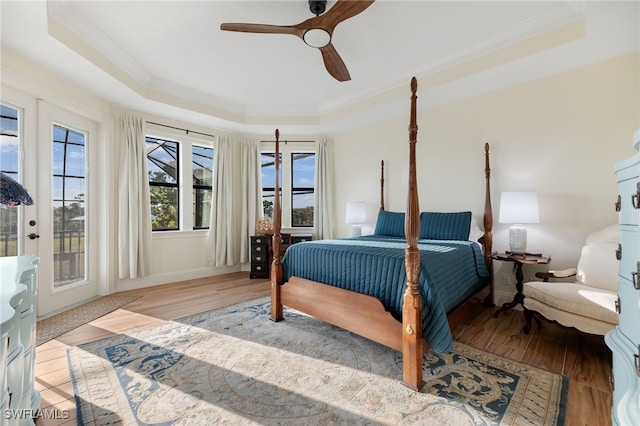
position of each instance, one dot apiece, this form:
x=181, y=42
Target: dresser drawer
x=260, y=240
x=629, y=310
x=260, y=267
x=259, y=270
x=628, y=176
x=259, y=257
x=630, y=251
x=300, y=238
x=629, y=198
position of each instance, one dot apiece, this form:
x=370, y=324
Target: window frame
x=173, y=185
x=13, y=219
x=62, y=202
x=296, y=190
x=195, y=187
x=287, y=149
x=185, y=183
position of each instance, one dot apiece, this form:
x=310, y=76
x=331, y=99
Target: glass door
x=65, y=189
x=48, y=150
x=11, y=118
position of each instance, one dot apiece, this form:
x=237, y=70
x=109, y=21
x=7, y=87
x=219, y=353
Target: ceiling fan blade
x=262, y=28
x=334, y=64
x=341, y=11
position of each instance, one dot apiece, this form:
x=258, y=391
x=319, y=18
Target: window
x=297, y=167
x=69, y=188
x=9, y=153
x=163, y=168
x=175, y=163
x=303, y=167
x=268, y=173
x=202, y=168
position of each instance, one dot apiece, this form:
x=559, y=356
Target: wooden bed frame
x=362, y=314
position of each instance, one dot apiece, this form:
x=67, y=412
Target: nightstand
x=260, y=258
x=262, y=251
x=518, y=260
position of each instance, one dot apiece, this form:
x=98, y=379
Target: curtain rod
x=187, y=131
x=285, y=141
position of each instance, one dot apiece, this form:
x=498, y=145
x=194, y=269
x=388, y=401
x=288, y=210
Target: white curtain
x=251, y=190
x=223, y=247
x=323, y=211
x=134, y=209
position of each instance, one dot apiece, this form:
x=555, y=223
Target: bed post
x=487, y=239
x=412, y=343
x=276, y=266
x=382, y=185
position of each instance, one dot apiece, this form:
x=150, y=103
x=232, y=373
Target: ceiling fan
x=315, y=32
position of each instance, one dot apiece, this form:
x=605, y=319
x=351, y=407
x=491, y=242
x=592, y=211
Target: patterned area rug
x=235, y=366
x=59, y=324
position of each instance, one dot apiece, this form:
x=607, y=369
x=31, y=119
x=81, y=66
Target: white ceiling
x=170, y=57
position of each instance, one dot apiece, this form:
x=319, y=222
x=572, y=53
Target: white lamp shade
x=519, y=207
x=356, y=213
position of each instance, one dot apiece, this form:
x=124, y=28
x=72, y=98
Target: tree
x=164, y=202
x=267, y=207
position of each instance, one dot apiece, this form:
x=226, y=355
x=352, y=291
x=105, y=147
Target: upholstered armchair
x=588, y=303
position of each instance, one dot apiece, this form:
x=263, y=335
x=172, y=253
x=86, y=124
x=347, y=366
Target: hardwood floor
x=584, y=359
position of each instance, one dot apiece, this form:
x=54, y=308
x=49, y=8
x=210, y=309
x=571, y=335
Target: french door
x=65, y=189
x=50, y=154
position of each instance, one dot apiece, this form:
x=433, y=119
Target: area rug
x=235, y=366
x=59, y=324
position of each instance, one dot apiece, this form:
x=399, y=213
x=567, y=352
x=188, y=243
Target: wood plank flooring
x=584, y=359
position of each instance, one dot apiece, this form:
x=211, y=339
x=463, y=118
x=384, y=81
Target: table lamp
x=12, y=193
x=518, y=208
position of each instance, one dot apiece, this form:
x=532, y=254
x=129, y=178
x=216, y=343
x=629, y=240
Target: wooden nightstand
x=262, y=252
x=260, y=258
x=518, y=260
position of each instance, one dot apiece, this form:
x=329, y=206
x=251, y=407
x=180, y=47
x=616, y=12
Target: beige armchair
x=589, y=303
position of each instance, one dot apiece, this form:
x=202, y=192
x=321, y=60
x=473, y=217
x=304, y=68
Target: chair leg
x=528, y=315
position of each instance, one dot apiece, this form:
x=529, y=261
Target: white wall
x=559, y=136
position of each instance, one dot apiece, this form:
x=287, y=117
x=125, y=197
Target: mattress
x=450, y=272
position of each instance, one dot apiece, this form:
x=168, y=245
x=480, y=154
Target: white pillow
x=598, y=266
x=610, y=234
x=475, y=233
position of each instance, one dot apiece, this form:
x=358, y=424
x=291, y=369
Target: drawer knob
x=634, y=277
x=259, y=268
x=618, y=306
x=637, y=361
x=618, y=203
x=619, y=252
x=258, y=248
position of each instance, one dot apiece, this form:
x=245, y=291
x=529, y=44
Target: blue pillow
x=445, y=226
x=390, y=224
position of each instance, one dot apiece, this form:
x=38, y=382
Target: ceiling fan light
x=317, y=37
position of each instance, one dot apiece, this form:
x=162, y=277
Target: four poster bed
x=401, y=287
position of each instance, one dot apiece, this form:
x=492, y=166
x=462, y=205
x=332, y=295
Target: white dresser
x=19, y=400
x=624, y=340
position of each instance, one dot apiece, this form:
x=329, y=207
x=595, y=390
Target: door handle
x=33, y=236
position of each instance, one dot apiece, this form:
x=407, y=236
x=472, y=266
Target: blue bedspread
x=450, y=271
